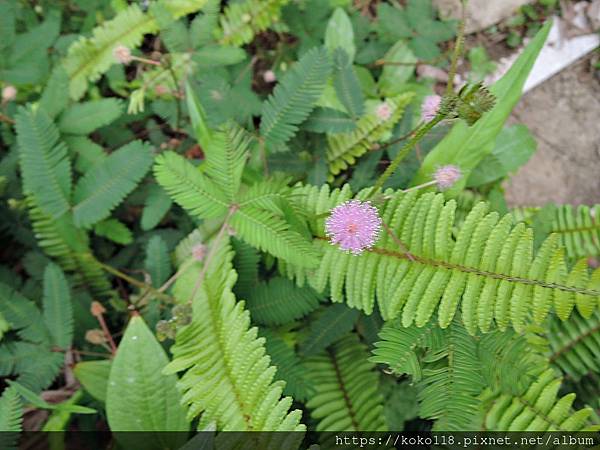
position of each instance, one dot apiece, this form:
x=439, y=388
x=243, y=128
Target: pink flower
x=269, y=76
x=354, y=225
x=122, y=54
x=446, y=176
x=430, y=107
x=9, y=93
x=199, y=252
x=383, y=111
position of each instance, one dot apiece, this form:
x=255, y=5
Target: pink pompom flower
x=199, y=252
x=446, y=176
x=9, y=93
x=430, y=107
x=269, y=76
x=383, y=111
x=122, y=54
x=354, y=226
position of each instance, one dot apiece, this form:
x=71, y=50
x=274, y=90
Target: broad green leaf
x=399, y=68
x=58, y=311
x=466, y=146
x=514, y=146
x=339, y=33
x=106, y=184
x=93, y=376
x=139, y=396
x=219, y=55
x=83, y=118
x=40, y=403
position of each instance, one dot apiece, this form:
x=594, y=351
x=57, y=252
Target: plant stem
x=419, y=134
x=458, y=48
x=212, y=252
x=135, y=282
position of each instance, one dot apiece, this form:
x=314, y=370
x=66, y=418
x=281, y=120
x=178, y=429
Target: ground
x=563, y=115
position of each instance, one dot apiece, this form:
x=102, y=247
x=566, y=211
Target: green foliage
x=93, y=376
x=346, y=84
x=538, y=409
x=489, y=266
x=278, y=302
x=221, y=355
x=332, y=324
x=241, y=21
x=294, y=98
x=83, y=118
x=44, y=164
x=106, y=184
x=139, y=396
x=157, y=261
x=114, y=230
x=575, y=345
x=58, y=312
x=466, y=146
x=343, y=149
x=346, y=389
x=11, y=411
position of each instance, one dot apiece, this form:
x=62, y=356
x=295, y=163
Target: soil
x=563, y=115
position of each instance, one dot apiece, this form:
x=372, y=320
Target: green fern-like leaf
x=488, y=269
x=115, y=231
x=334, y=322
x=58, y=311
x=344, y=148
x=69, y=245
x=221, y=356
x=157, y=204
x=294, y=97
x=36, y=365
x=225, y=158
x=575, y=345
x=579, y=229
x=90, y=57
x=45, y=166
x=347, y=396
x=83, y=118
x=157, y=261
x=188, y=187
x=538, y=409
x=11, y=411
x=289, y=366
x=22, y=315
x=279, y=301
x=105, y=185
x=345, y=82
x=241, y=21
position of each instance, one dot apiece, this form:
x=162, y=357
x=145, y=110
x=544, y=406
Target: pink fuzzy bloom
x=199, y=252
x=446, y=176
x=430, y=107
x=122, y=54
x=354, y=225
x=383, y=111
x=269, y=76
x=9, y=93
